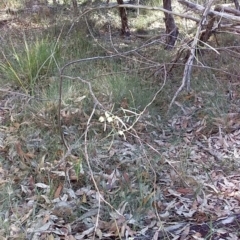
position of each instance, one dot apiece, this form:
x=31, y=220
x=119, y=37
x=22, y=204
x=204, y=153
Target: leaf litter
x=177, y=182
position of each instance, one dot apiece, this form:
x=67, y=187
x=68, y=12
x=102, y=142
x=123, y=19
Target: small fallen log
x=199, y=8
x=222, y=8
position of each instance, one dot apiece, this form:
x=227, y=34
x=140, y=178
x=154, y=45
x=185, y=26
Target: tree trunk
x=207, y=33
x=236, y=4
x=138, y=8
x=75, y=8
x=123, y=15
x=171, y=28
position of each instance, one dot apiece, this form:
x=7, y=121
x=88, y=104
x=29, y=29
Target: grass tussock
x=27, y=67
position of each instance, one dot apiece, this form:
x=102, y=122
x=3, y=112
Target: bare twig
x=16, y=93
x=189, y=63
x=115, y=5
x=100, y=197
x=87, y=82
x=153, y=99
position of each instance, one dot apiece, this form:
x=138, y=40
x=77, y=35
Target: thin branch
x=115, y=5
x=189, y=63
x=153, y=99
x=89, y=85
x=100, y=197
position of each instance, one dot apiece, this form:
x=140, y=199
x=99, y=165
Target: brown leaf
x=24, y=156
x=124, y=103
x=58, y=191
x=126, y=177
x=200, y=217
x=184, y=190
x=31, y=183
x=19, y=150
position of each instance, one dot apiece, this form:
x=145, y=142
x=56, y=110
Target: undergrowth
x=28, y=67
x=134, y=156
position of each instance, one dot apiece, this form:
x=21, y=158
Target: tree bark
x=236, y=4
x=171, y=28
x=197, y=7
x=75, y=8
x=222, y=8
x=207, y=33
x=124, y=20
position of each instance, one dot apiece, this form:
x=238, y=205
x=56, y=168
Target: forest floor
x=128, y=170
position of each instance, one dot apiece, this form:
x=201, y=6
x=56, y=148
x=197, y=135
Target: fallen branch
x=201, y=9
x=221, y=8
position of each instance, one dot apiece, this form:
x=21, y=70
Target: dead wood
x=199, y=8
x=222, y=8
x=231, y=28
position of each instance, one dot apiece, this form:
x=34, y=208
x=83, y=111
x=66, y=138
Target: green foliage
x=78, y=45
x=26, y=68
x=11, y=4
x=153, y=2
x=78, y=167
x=129, y=86
x=5, y=199
x=152, y=166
